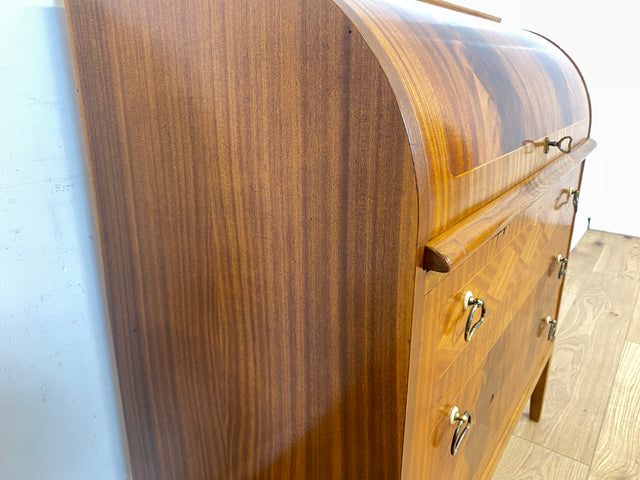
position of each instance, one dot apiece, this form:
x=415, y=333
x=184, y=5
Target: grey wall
x=57, y=405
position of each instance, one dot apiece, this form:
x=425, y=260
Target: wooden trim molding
x=446, y=251
x=461, y=9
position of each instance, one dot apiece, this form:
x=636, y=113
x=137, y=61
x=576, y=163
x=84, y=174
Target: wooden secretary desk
x=333, y=232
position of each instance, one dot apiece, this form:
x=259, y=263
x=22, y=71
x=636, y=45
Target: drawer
x=495, y=393
x=517, y=259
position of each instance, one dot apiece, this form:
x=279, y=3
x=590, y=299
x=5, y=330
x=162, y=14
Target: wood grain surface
x=266, y=176
x=444, y=252
x=257, y=212
x=633, y=335
x=461, y=9
x=520, y=289
x=497, y=90
x=616, y=454
x=583, y=259
x=495, y=393
x=527, y=254
x=537, y=397
x=620, y=257
x=586, y=357
x=532, y=461
x=583, y=387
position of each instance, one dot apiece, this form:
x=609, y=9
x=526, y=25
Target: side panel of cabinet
x=256, y=205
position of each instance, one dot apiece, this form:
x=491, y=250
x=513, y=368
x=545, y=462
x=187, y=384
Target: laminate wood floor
x=589, y=429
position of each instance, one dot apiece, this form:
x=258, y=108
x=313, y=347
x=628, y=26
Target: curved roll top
x=478, y=101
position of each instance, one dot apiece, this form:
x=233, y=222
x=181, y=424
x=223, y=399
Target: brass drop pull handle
x=474, y=303
x=576, y=198
x=563, y=265
x=564, y=144
x=460, y=433
x=553, y=324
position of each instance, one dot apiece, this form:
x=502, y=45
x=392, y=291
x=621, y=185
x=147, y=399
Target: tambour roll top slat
x=477, y=98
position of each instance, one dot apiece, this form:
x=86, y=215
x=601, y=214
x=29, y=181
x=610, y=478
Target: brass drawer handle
x=563, y=265
x=576, y=198
x=476, y=302
x=564, y=140
x=553, y=324
x=460, y=433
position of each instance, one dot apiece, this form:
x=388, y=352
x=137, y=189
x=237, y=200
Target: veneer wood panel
x=461, y=9
x=256, y=206
x=266, y=176
x=496, y=92
x=504, y=281
x=444, y=252
x=537, y=396
x=488, y=392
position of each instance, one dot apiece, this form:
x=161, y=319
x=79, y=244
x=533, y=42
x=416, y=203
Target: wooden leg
x=537, y=397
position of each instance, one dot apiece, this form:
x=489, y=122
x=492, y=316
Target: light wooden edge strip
x=461, y=9
x=448, y=249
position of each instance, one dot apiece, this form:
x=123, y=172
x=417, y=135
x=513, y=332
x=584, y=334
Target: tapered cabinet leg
x=537, y=397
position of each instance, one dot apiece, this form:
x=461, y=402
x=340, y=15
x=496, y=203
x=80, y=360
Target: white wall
x=57, y=410
x=602, y=38
x=58, y=415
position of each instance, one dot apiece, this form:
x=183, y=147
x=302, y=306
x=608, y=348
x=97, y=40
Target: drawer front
x=495, y=393
x=516, y=273
x=503, y=284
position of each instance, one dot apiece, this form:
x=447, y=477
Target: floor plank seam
x=635, y=305
x=598, y=256
x=607, y=403
x=555, y=451
x=595, y=447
